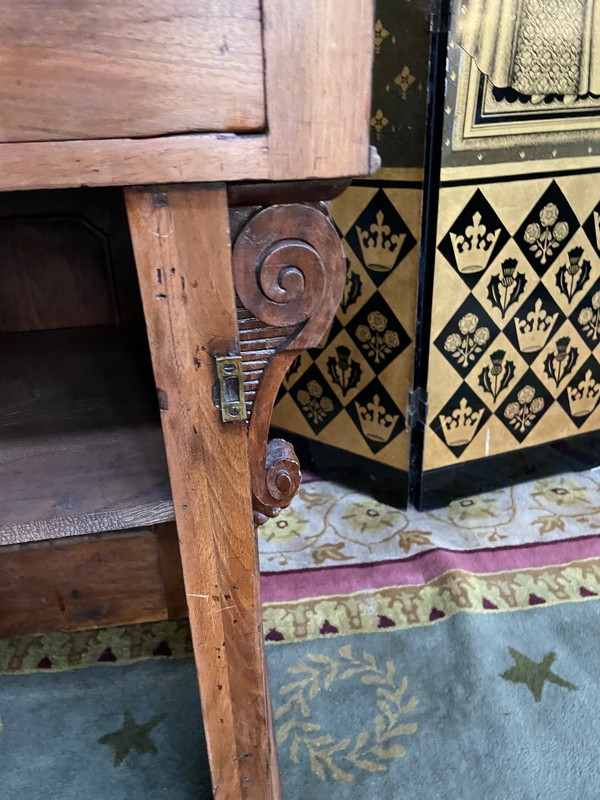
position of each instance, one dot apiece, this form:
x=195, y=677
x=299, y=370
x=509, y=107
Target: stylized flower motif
x=315, y=388
x=532, y=233
x=453, y=342
x=526, y=395
x=315, y=406
x=381, y=33
x=481, y=335
x=561, y=231
x=548, y=215
x=544, y=242
x=468, y=324
x=379, y=121
x=404, y=80
x=378, y=341
x=363, y=333
x=522, y=413
x=464, y=347
x=537, y=404
x=391, y=339
x=589, y=318
x=565, y=491
x=377, y=321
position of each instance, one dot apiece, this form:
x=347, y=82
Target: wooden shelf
x=81, y=448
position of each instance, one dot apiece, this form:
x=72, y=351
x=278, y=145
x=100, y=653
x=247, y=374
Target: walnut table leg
x=256, y=303
x=181, y=244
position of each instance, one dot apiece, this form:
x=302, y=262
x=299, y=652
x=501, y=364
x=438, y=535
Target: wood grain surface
x=100, y=69
x=92, y=581
x=82, y=449
x=318, y=56
x=182, y=249
x=317, y=73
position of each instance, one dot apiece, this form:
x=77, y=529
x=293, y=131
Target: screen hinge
x=418, y=407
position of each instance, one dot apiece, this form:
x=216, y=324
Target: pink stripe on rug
x=422, y=568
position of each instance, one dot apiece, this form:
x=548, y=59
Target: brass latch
x=231, y=388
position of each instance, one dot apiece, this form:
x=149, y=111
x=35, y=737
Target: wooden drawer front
x=89, y=69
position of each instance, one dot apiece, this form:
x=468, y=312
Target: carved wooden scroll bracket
x=289, y=274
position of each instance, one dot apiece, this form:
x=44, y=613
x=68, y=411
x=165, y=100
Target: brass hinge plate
x=231, y=388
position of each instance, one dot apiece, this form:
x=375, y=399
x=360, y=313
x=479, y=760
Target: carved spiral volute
x=289, y=272
x=284, y=268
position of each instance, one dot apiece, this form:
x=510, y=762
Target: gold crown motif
x=375, y=421
x=460, y=425
x=583, y=397
x=474, y=247
x=534, y=331
x=597, y=228
x=380, y=247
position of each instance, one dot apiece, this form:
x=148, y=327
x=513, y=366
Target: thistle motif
x=507, y=287
x=545, y=236
x=464, y=346
x=343, y=370
x=573, y=275
x=496, y=378
x=523, y=412
x=561, y=362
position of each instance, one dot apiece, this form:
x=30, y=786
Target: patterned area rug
x=462, y=666
x=328, y=524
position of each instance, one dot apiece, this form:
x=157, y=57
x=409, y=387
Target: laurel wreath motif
x=371, y=750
